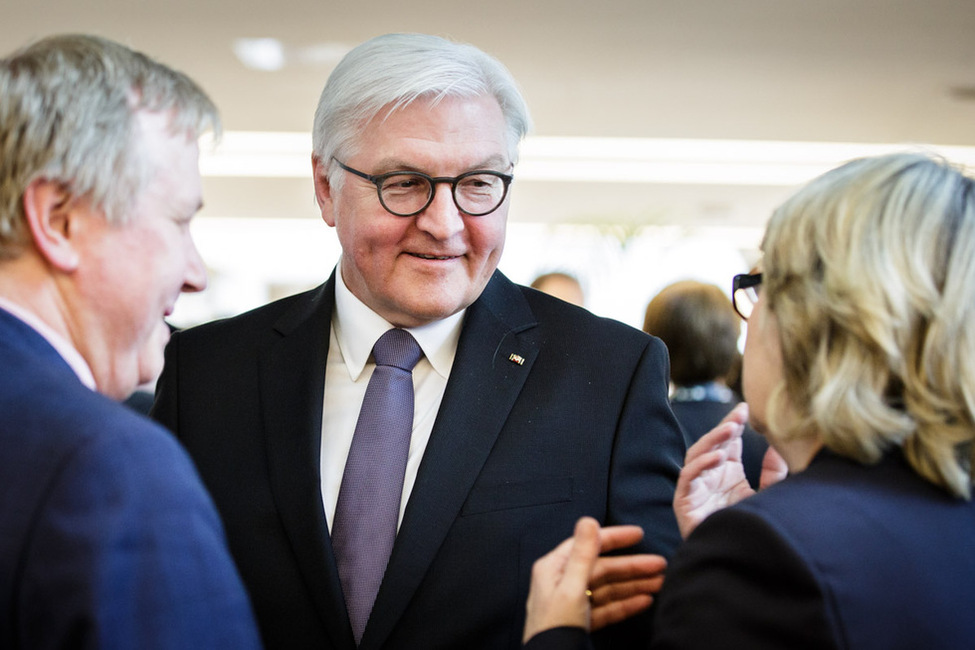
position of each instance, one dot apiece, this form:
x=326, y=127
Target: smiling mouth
x=433, y=257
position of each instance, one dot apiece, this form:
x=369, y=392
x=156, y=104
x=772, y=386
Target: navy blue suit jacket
x=107, y=538
x=518, y=452
x=840, y=555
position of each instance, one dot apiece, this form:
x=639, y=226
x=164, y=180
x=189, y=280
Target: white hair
x=396, y=69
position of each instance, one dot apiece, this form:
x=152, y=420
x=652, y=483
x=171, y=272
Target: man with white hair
x=515, y=413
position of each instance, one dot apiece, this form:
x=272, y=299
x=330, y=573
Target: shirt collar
x=63, y=347
x=357, y=328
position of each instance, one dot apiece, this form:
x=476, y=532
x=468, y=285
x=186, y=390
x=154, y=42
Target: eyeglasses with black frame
x=744, y=293
x=405, y=194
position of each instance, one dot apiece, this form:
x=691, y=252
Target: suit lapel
x=292, y=390
x=460, y=443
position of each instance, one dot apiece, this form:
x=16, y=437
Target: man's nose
x=442, y=218
x=195, y=278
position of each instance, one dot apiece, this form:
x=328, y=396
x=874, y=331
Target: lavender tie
x=372, y=485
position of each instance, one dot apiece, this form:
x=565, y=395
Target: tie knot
x=397, y=348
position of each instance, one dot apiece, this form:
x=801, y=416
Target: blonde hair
x=870, y=274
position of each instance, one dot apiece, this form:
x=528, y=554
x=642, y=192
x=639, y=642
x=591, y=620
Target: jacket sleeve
x=647, y=456
x=127, y=551
x=560, y=638
x=737, y=582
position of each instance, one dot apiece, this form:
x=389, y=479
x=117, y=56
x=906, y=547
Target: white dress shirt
x=67, y=351
x=355, y=329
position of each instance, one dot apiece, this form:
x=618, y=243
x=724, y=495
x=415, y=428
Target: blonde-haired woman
x=859, y=368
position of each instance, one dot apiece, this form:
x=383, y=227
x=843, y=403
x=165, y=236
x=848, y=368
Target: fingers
x=732, y=423
x=686, y=491
x=699, y=464
x=620, y=610
x=558, y=556
x=623, y=586
x=712, y=440
x=729, y=428
x=617, y=591
x=623, y=568
x=582, y=555
x=774, y=469
x=557, y=595
x=713, y=475
x=738, y=415
x=612, y=538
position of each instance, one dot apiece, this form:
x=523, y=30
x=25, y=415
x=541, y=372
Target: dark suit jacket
x=107, y=538
x=697, y=418
x=517, y=454
x=837, y=556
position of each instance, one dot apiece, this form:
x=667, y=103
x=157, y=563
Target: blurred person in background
x=700, y=328
x=561, y=285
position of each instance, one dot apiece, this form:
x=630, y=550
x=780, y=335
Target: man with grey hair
x=522, y=412
x=107, y=536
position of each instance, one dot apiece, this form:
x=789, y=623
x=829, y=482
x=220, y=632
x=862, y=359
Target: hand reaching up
x=713, y=476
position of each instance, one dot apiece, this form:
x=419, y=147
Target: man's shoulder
x=553, y=312
x=63, y=417
x=83, y=445
x=92, y=489
x=260, y=319
x=565, y=334
x=40, y=391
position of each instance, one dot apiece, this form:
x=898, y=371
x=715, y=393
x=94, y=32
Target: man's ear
x=323, y=189
x=49, y=211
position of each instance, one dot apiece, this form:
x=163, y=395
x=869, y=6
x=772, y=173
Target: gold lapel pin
x=517, y=358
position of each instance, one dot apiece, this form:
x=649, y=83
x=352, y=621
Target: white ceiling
x=864, y=71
